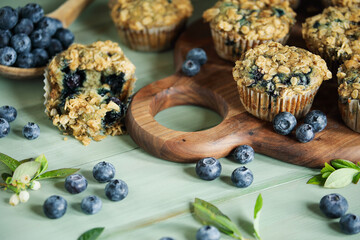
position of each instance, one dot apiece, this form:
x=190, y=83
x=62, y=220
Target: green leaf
x=257, y=211
x=317, y=180
x=4, y=176
x=44, y=163
x=91, y=234
x=341, y=163
x=356, y=178
x=210, y=215
x=327, y=168
x=26, y=160
x=340, y=178
x=28, y=168
x=59, y=173
x=9, y=161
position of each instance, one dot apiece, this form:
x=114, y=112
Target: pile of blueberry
x=28, y=38
x=8, y=114
x=194, y=59
x=210, y=168
x=315, y=121
x=115, y=190
x=335, y=206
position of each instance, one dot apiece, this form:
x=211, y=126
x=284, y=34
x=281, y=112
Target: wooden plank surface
x=159, y=191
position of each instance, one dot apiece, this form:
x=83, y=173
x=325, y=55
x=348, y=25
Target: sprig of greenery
x=91, y=234
x=339, y=173
x=208, y=214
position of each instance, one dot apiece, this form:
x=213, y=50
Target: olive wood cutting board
x=214, y=88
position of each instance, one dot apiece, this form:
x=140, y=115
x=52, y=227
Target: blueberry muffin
x=272, y=78
x=334, y=34
x=238, y=25
x=341, y=3
x=150, y=25
x=87, y=90
x=349, y=92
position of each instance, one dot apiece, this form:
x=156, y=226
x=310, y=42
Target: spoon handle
x=69, y=11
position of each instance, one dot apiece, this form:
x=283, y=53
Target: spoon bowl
x=66, y=13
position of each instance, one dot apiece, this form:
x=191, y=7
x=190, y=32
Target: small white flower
x=14, y=200
x=35, y=185
x=24, y=196
x=25, y=179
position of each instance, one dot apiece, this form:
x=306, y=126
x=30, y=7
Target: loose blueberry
x=41, y=57
x=65, y=36
x=242, y=177
x=208, y=168
x=116, y=190
x=31, y=131
x=25, y=60
x=350, y=223
x=7, y=56
x=49, y=25
x=333, y=205
x=197, y=54
x=9, y=113
x=55, y=207
x=208, y=233
x=40, y=39
x=190, y=68
x=305, y=133
x=55, y=47
x=91, y=204
x=75, y=183
x=32, y=11
x=104, y=172
x=317, y=119
x=284, y=123
x=5, y=36
x=244, y=154
x=4, y=128
x=21, y=43
x=166, y=238
x=8, y=17
x=25, y=26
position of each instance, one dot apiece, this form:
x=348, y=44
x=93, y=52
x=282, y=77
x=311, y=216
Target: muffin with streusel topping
x=88, y=89
x=272, y=78
x=238, y=25
x=349, y=92
x=334, y=34
x=150, y=25
x=341, y=3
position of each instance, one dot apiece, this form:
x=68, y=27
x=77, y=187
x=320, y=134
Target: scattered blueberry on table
x=91, y=204
x=350, y=223
x=244, y=154
x=284, y=123
x=317, y=119
x=333, y=205
x=31, y=131
x=9, y=113
x=116, y=190
x=55, y=207
x=166, y=238
x=4, y=128
x=208, y=168
x=75, y=183
x=242, y=177
x=208, y=233
x=190, y=67
x=103, y=172
x=197, y=54
x=305, y=133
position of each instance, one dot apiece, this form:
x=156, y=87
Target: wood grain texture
x=214, y=88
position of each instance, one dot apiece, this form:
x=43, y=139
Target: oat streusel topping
x=251, y=19
x=280, y=70
x=346, y=3
x=349, y=79
x=141, y=14
x=88, y=89
x=336, y=31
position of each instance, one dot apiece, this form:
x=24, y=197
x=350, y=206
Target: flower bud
x=14, y=200
x=35, y=185
x=25, y=179
x=24, y=196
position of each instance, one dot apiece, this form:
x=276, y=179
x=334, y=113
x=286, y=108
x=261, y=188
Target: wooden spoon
x=66, y=13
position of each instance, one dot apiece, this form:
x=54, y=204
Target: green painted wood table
x=160, y=192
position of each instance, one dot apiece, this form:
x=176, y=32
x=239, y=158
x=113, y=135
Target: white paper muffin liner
x=350, y=113
x=266, y=107
x=152, y=39
x=234, y=50
x=47, y=89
